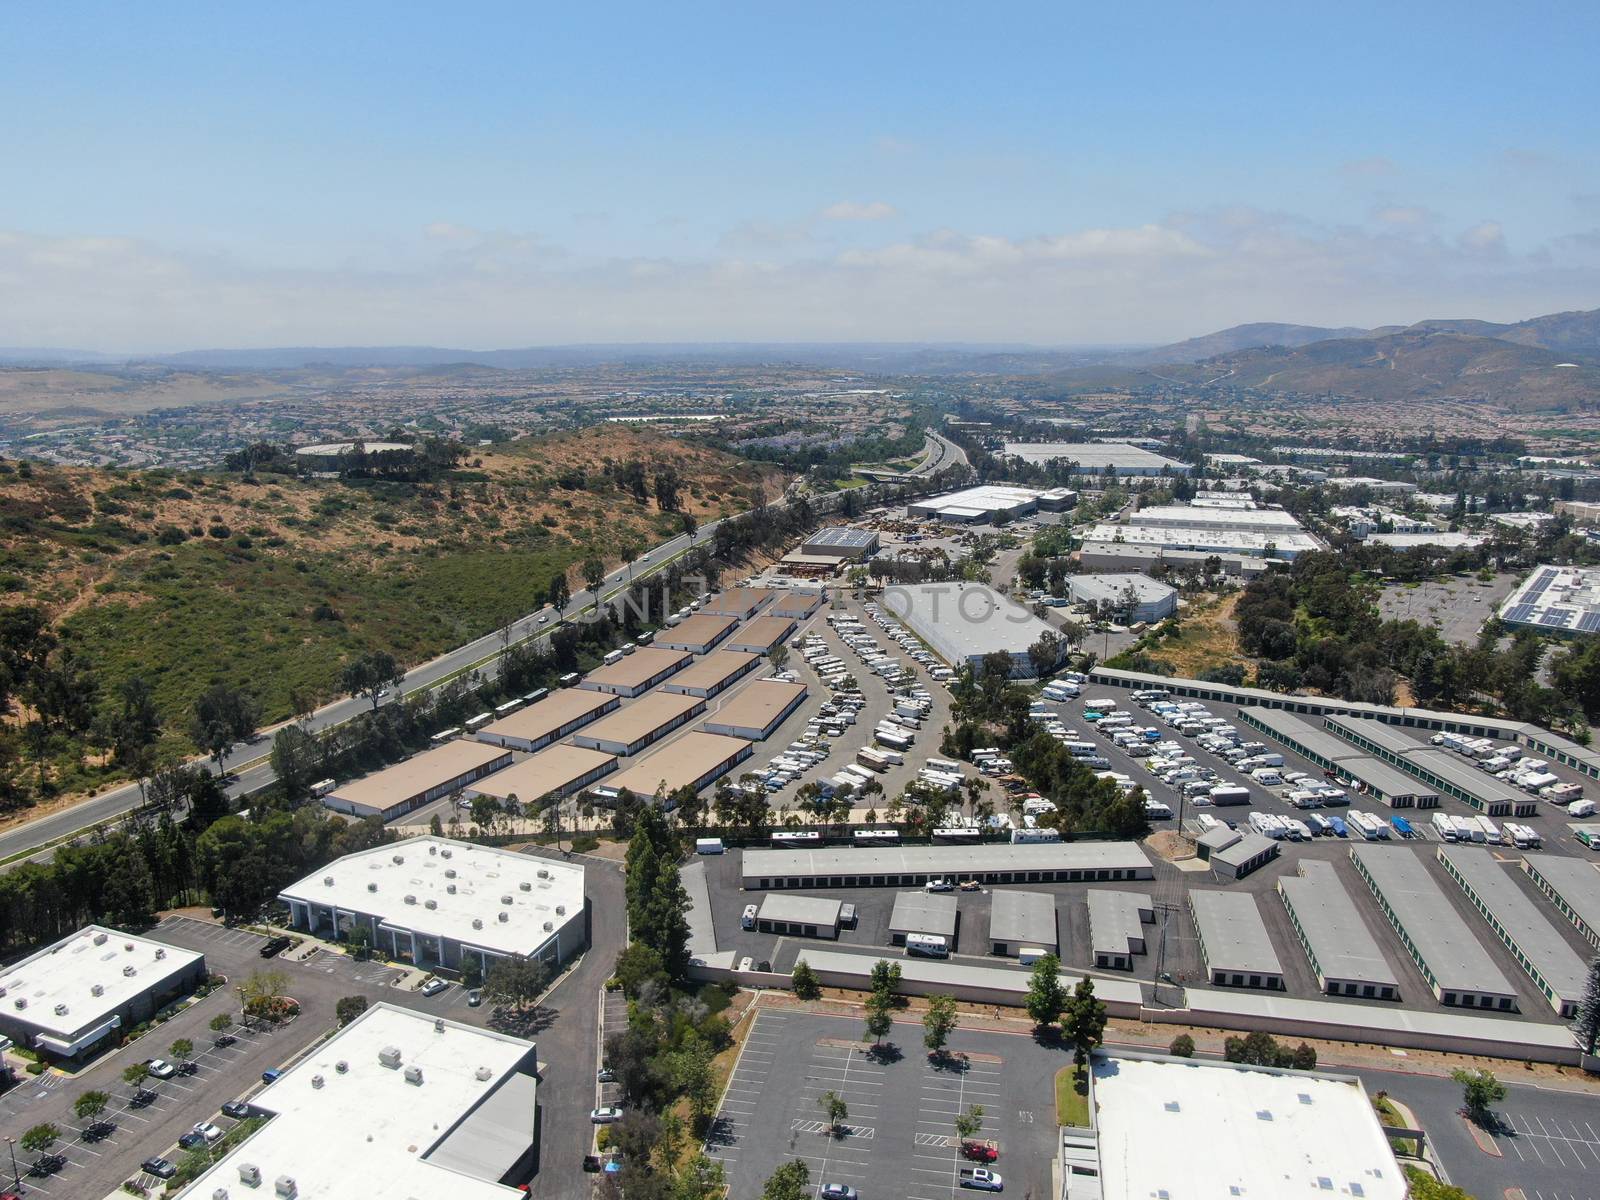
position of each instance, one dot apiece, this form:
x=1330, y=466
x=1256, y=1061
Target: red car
x=984, y=1152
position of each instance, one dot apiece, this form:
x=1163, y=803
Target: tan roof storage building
x=756, y=711
x=640, y=723
x=713, y=673
x=799, y=603
x=739, y=602
x=698, y=634
x=558, y=771
x=422, y=778
x=762, y=634
x=550, y=720
x=693, y=761
x=636, y=673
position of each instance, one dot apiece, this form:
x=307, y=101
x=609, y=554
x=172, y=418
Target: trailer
x=1445, y=826
x=873, y=759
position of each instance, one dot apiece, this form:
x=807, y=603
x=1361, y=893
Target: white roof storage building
x=1092, y=458
x=395, y=1104
x=1234, y=940
x=1343, y=953
x=963, y=622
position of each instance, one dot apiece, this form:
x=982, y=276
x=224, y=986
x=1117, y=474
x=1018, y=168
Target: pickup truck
x=981, y=1179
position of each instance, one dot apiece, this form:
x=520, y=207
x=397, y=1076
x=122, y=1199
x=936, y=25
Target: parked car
x=271, y=1075
x=981, y=1179
x=839, y=1191
x=160, y=1068
x=159, y=1167
x=474, y=997
x=207, y=1130
x=938, y=885
x=142, y=1098
x=983, y=1152
x=237, y=1109
x=191, y=1141
x=275, y=946
x=606, y=1115
x=47, y=1164
x=225, y=1039
x=605, y=1075
x=434, y=986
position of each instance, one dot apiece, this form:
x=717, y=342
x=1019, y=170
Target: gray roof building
x=1573, y=886
x=1377, y=779
x=1092, y=458
x=804, y=916
x=923, y=912
x=1250, y=853
x=1445, y=772
x=1116, y=926
x=907, y=866
x=1146, y=599
x=1343, y=953
x=841, y=541
x=1234, y=940
x=963, y=622
x=1022, y=920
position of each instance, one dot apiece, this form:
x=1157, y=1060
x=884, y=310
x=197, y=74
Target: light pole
x=16, y=1174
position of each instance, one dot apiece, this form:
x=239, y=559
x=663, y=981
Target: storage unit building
x=932, y=913
x=1573, y=886
x=638, y=672
x=78, y=995
x=696, y=634
x=1538, y=946
x=756, y=710
x=1343, y=953
x=549, y=720
x=636, y=726
x=1234, y=940
x=1250, y=853
x=707, y=676
x=420, y=779
x=558, y=771
x=1441, y=770
x=1457, y=968
x=1021, y=921
x=1322, y=748
x=1215, y=840
x=912, y=866
x=799, y=916
x=742, y=603
x=762, y=634
x=692, y=761
x=1116, y=927
x=799, y=603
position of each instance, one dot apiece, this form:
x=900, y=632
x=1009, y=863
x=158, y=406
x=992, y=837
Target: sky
x=482, y=175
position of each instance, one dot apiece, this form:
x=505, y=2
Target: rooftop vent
x=160, y=953
x=543, y=873
x=438, y=1024
x=327, y=881
x=483, y=1074
x=317, y=1081
x=526, y=886
x=61, y=1010
x=549, y=925
x=449, y=872
x=1325, y=1183
x=445, y=852
x=128, y=946
x=505, y=917
x=1304, y=1098
x=411, y=899
x=99, y=939
x=130, y=970
x=505, y=899
x=286, y=1187
x=430, y=904
x=449, y=888
x=219, y=1194
x=389, y=1057
x=398, y=859
x=249, y=1173
x=342, y=1067
x=1264, y=1115
x=561, y=910
x=97, y=989
x=1172, y=1106
x=414, y=1076
x=372, y=887
x=477, y=922
x=433, y=849
x=21, y=1002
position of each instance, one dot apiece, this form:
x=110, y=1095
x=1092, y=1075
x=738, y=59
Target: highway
x=248, y=763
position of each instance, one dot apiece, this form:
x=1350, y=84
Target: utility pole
x=16, y=1173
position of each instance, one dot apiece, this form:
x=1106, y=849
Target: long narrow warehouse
x=1234, y=940
x=1573, y=886
x=912, y=866
x=1555, y=968
x=1344, y=955
x=1451, y=959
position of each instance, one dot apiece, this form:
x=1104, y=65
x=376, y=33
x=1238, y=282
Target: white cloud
x=851, y=210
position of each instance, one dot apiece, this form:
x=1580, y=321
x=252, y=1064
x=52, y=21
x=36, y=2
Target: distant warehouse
x=742, y=603
x=1133, y=597
x=420, y=779
x=693, y=761
x=550, y=720
x=1374, y=778
x=842, y=542
x=987, y=504
x=638, y=672
x=913, y=866
x=1097, y=458
x=756, y=711
x=647, y=720
x=1439, y=769
x=966, y=622
x=761, y=635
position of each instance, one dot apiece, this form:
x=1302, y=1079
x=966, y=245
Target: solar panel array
x=1556, y=599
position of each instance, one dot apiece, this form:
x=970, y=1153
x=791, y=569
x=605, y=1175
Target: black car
x=188, y=1068
x=237, y=1109
x=191, y=1141
x=47, y=1164
x=142, y=1098
x=226, y=1039
x=273, y=947
x=160, y=1167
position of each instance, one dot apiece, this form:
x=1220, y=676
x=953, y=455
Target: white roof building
x=1092, y=458
x=1210, y=516
x=976, y=505
x=1564, y=600
x=395, y=1104
x=1207, y=539
x=431, y=900
x=964, y=622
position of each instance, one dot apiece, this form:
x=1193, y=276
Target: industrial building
x=435, y=902
x=1234, y=940
x=1443, y=539
x=1132, y=597
x=77, y=996
x=420, y=779
x=557, y=771
x=1203, y=539
x=697, y=634
x=1189, y=1127
x=743, y=602
x=913, y=866
x=1096, y=458
x=636, y=673
x=843, y=543
x=708, y=676
x=548, y=720
x=1344, y=955
x=1021, y=921
x=1537, y=945
x=1558, y=600
x=692, y=761
x=983, y=505
x=1272, y=522
x=396, y=1103
x=757, y=710
x=1243, y=857
x=930, y=913
x=798, y=603
x=965, y=622
x=1457, y=968
x=1116, y=927
x=762, y=634
x=1116, y=556
x=1573, y=886
x=1371, y=777
x=647, y=720
x=799, y=916
x=1441, y=770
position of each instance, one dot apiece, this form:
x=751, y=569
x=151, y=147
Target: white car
x=160, y=1068
x=938, y=885
x=605, y=1116
x=434, y=986
x=208, y=1131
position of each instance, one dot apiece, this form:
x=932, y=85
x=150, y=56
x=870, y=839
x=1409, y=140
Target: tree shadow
x=945, y=1061
x=720, y=1132
x=885, y=1053
x=1049, y=1036
x=523, y=1024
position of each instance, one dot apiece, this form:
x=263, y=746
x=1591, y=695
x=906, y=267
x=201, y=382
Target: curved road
x=248, y=762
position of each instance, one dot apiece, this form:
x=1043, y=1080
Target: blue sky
x=184, y=175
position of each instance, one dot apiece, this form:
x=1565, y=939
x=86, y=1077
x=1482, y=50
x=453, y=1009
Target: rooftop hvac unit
x=477, y=922
x=3, y=993
x=549, y=925
x=505, y=918
x=130, y=970
x=389, y=1057
x=99, y=939
x=414, y=1075
x=449, y=872
x=342, y=1067
x=250, y=1174
x=483, y=1074
x=97, y=989
x=61, y=1010
x=430, y=903
x=411, y=899
x=128, y=946
x=446, y=852
x=398, y=859
x=543, y=873
x=160, y=953
x=526, y=886
x=561, y=910
x=21, y=1002
x=317, y=1081
x=450, y=888
x=505, y=899
x=219, y=1194
x=433, y=849
x=286, y=1187
x=372, y=887
x=438, y=1024
x=327, y=881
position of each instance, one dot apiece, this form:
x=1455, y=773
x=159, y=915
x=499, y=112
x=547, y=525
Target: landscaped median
x=1072, y=1097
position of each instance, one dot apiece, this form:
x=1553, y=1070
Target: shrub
x=584, y=843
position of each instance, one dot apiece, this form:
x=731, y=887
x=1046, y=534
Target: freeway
x=247, y=765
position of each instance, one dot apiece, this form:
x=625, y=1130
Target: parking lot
x=898, y=1138
x=1457, y=608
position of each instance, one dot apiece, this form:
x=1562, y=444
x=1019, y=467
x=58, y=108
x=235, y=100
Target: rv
x=873, y=760
x=615, y=656
x=478, y=722
x=927, y=945
x=322, y=787
x=708, y=845
x=1226, y=793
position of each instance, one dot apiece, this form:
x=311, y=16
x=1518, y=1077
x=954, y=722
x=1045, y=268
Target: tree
x=137, y=725
x=222, y=716
x=349, y=1008
x=837, y=1111
x=969, y=1123
x=90, y=1107
x=880, y=1017
x=1425, y=1187
x=1046, y=997
x=1304, y=1058
x=221, y=1023
x=792, y=1181
x=939, y=1022
x=778, y=656
x=516, y=980
x=594, y=575
x=559, y=594
x=1083, y=1023
x=1045, y=653
x=885, y=976
x=182, y=1049
x=371, y=675
x=804, y=981
x=1182, y=1046
x=1479, y=1090
x=1587, y=1026
x=135, y=1074
x=40, y=1137
x=295, y=759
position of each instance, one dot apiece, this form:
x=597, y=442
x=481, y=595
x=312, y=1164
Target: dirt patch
x=1208, y=637
x=1170, y=845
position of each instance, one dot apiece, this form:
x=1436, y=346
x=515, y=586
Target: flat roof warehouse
x=965, y=622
